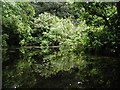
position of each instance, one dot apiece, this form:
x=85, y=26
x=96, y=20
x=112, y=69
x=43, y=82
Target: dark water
x=53, y=68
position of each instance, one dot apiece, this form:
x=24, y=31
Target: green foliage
x=17, y=18
x=4, y=39
x=96, y=28
x=60, y=9
x=61, y=36
x=102, y=18
x=54, y=31
x=97, y=13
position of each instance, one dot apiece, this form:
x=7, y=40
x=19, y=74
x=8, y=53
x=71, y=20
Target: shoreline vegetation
x=91, y=27
x=60, y=44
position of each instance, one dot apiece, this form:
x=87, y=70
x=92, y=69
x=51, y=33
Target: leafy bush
x=4, y=39
x=21, y=27
x=17, y=18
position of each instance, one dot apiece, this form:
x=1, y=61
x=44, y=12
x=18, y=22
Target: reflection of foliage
x=43, y=62
x=17, y=70
x=17, y=77
x=32, y=67
x=58, y=61
x=100, y=72
x=46, y=62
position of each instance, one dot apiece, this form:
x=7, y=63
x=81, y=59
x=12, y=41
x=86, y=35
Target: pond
x=58, y=68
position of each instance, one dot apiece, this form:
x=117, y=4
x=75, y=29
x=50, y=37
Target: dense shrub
x=22, y=28
x=17, y=18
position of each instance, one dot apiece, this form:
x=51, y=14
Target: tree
x=60, y=9
x=17, y=19
x=98, y=14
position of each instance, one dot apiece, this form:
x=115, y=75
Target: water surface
x=58, y=68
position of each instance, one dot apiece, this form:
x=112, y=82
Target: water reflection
x=51, y=68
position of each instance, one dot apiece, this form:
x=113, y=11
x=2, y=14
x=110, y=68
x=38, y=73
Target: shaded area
x=47, y=68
